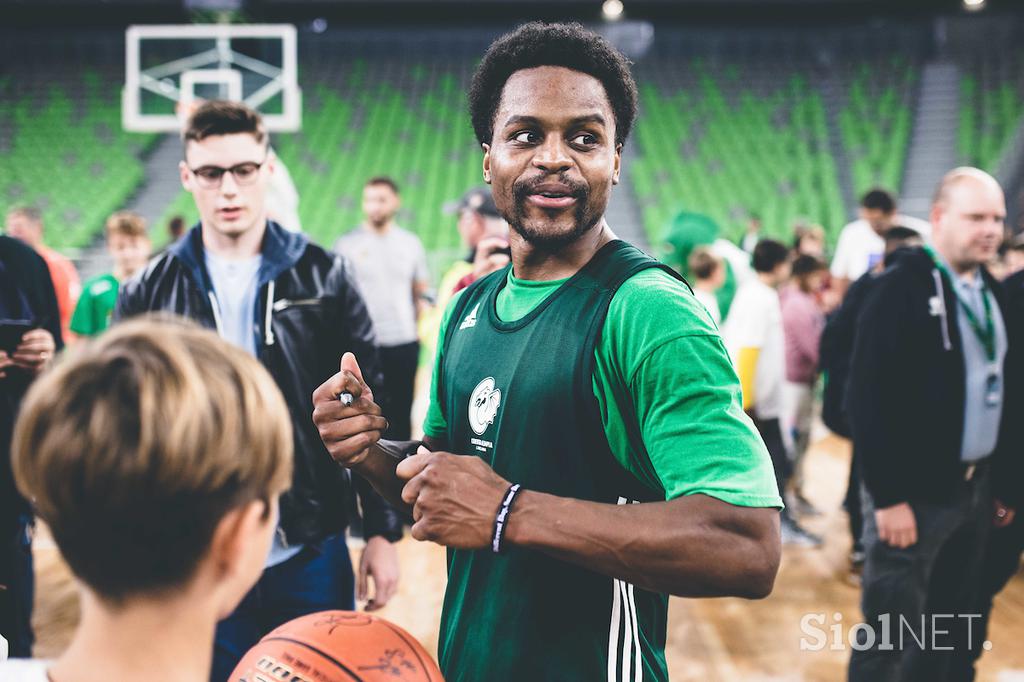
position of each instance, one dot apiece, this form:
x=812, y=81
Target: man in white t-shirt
x=390, y=268
x=861, y=243
x=754, y=335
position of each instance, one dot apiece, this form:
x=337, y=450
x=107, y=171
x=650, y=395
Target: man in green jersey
x=128, y=245
x=586, y=450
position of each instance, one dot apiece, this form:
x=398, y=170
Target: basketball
x=337, y=646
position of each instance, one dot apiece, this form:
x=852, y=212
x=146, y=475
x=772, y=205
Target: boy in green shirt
x=129, y=246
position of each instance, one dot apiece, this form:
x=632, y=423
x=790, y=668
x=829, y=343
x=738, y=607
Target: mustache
x=525, y=187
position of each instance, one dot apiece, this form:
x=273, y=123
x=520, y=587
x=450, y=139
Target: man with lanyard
x=927, y=390
x=1003, y=553
x=586, y=449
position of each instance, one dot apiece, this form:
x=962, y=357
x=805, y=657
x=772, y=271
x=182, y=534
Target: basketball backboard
x=167, y=67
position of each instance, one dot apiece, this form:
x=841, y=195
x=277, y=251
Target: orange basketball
x=337, y=646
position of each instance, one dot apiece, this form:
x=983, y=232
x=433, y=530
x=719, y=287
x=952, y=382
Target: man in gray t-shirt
x=390, y=268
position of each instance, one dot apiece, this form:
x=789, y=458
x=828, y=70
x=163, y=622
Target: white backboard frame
x=283, y=80
x=229, y=77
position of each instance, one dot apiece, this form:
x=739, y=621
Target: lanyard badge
x=993, y=387
x=986, y=334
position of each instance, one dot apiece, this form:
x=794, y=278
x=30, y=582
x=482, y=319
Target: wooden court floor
x=718, y=640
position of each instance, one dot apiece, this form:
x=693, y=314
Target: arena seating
x=62, y=149
x=184, y=206
x=991, y=105
x=711, y=142
x=407, y=122
x=875, y=123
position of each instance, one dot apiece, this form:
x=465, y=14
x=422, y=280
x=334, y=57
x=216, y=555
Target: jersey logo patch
x=100, y=288
x=470, y=320
x=483, y=405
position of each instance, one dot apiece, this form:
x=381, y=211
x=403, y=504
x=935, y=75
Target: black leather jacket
x=308, y=313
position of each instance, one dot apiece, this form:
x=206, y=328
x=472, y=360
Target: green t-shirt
x=668, y=394
x=95, y=306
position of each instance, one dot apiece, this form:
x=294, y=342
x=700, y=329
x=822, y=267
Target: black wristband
x=399, y=449
x=501, y=520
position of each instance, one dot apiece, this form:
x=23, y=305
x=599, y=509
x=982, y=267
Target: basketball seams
x=308, y=633
x=332, y=659
x=413, y=646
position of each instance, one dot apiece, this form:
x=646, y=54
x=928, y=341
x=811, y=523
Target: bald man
x=928, y=395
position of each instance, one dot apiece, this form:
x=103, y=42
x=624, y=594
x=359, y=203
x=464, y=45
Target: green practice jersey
x=95, y=306
x=611, y=386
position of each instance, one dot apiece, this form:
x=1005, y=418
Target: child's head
x=809, y=273
x=706, y=268
x=127, y=242
x=155, y=455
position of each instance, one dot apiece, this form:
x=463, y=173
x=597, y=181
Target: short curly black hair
x=540, y=44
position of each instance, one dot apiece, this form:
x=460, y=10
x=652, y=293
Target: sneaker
x=795, y=536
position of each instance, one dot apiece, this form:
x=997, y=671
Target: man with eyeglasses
x=294, y=307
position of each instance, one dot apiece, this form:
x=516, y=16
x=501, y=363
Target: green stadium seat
x=991, y=106
x=70, y=157
x=721, y=149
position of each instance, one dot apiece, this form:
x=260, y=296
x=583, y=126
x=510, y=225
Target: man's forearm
x=379, y=469
x=420, y=304
x=380, y=518
x=694, y=546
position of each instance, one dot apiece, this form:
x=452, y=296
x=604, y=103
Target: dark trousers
x=319, y=578
x=17, y=585
x=1001, y=562
x=18, y=589
x=399, y=364
x=852, y=504
x=936, y=578
x=771, y=434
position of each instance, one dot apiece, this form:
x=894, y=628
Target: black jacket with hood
x=907, y=388
x=308, y=313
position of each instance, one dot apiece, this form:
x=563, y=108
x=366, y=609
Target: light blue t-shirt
x=236, y=286
x=982, y=411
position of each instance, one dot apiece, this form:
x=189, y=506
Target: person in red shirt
x=26, y=223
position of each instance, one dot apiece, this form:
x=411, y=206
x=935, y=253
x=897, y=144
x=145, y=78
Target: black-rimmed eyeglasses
x=211, y=177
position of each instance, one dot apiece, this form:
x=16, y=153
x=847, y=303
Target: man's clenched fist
x=347, y=431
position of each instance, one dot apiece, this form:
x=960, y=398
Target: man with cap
x=485, y=232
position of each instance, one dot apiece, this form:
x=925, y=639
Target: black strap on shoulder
x=614, y=264
x=617, y=261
